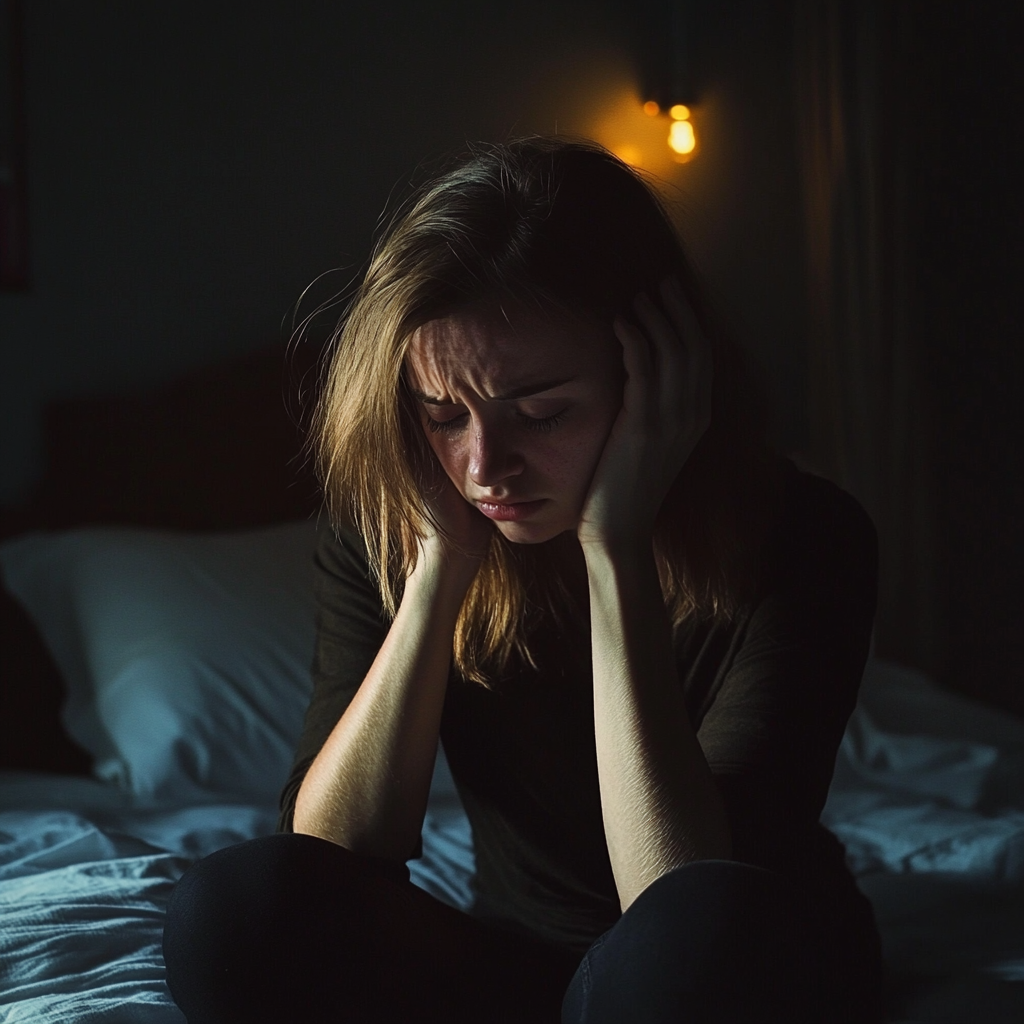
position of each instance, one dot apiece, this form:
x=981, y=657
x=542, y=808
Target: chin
x=532, y=533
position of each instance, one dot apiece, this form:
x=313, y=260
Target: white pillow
x=186, y=656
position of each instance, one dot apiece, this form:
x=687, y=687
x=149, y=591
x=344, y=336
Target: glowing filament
x=680, y=112
x=681, y=137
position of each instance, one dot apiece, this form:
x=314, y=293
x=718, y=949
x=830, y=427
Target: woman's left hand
x=666, y=408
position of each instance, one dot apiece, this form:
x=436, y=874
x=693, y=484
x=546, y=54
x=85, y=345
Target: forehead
x=491, y=350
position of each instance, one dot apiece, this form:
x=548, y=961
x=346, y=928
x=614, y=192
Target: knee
x=714, y=940
x=723, y=915
x=238, y=891
x=242, y=918
x=725, y=900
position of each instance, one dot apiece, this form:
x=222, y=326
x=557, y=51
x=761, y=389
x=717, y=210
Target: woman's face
x=517, y=410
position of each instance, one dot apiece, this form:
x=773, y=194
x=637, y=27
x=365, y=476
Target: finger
x=698, y=346
x=674, y=371
x=680, y=311
x=638, y=362
x=664, y=336
x=678, y=305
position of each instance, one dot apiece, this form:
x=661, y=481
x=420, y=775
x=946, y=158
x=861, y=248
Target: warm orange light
x=652, y=108
x=679, y=112
x=619, y=121
x=629, y=154
x=681, y=138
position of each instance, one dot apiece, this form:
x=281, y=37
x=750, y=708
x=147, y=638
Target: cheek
x=451, y=455
x=573, y=458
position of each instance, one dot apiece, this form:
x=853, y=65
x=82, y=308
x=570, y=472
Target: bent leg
x=294, y=928
x=715, y=940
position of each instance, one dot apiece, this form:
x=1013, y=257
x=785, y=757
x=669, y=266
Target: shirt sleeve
x=773, y=729
x=350, y=629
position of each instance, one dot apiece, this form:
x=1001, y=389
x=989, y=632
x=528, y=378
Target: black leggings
x=296, y=930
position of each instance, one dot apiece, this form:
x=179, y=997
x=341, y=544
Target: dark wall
x=967, y=191
x=192, y=166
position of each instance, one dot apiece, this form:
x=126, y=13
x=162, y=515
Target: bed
x=183, y=661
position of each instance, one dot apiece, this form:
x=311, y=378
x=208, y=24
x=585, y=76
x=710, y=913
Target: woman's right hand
x=467, y=532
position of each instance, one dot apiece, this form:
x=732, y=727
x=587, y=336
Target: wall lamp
x=667, y=37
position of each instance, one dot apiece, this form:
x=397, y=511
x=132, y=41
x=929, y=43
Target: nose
x=492, y=456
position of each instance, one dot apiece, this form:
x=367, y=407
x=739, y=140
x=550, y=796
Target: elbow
x=713, y=847
x=309, y=819
x=363, y=841
x=303, y=821
x=714, y=844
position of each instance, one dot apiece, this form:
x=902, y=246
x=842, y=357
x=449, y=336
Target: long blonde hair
x=567, y=227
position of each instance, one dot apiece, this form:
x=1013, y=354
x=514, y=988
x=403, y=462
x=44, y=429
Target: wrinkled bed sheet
x=928, y=797
x=83, y=891
x=83, y=900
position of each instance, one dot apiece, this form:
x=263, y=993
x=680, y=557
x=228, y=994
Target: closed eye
x=545, y=423
x=530, y=422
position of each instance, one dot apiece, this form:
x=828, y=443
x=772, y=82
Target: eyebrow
x=523, y=391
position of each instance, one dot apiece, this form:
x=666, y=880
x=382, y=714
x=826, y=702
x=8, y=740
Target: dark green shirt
x=769, y=694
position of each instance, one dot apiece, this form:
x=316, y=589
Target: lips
x=506, y=510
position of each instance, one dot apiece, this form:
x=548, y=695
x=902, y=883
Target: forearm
x=367, y=789
x=660, y=804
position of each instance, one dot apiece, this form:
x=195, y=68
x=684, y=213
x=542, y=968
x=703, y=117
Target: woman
x=562, y=545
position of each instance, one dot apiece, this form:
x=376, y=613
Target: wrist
x=626, y=566
x=627, y=530
x=623, y=548
x=439, y=567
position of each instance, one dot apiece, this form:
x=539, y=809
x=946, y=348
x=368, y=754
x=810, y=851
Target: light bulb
x=681, y=137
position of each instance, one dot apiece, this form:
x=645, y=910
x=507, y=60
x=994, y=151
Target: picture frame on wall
x=14, y=269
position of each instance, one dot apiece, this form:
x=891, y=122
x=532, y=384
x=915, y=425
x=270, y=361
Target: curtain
x=869, y=409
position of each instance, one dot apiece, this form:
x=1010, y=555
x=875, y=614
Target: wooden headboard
x=221, y=448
